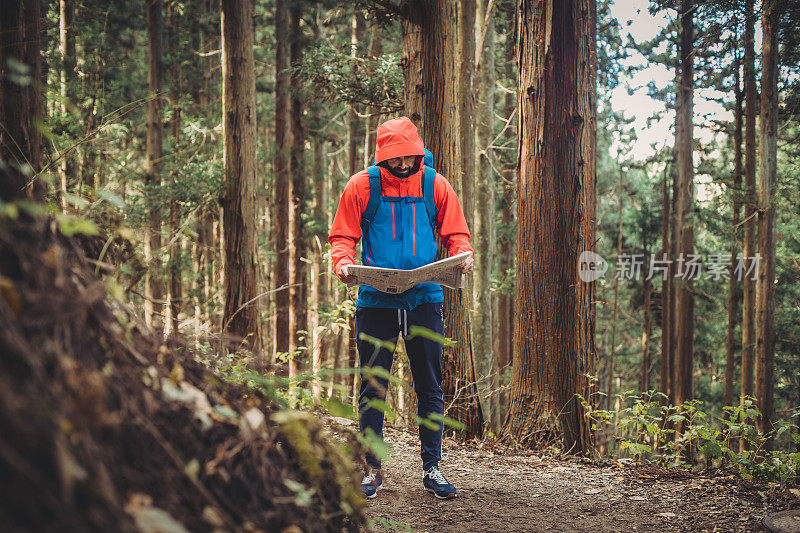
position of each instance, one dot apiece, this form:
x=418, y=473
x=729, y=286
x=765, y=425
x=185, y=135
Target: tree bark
x=768, y=163
x=152, y=244
x=554, y=349
x=241, y=315
x=282, y=183
x=21, y=102
x=748, y=284
x=684, y=319
x=432, y=102
x=298, y=317
x=485, y=232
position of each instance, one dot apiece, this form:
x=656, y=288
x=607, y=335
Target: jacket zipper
x=414, y=228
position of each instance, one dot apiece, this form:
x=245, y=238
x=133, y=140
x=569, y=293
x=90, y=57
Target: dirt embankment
x=106, y=427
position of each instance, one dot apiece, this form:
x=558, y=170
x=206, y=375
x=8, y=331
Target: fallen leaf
x=795, y=492
x=638, y=498
x=667, y=515
x=149, y=519
x=593, y=491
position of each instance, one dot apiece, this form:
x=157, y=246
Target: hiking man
x=395, y=208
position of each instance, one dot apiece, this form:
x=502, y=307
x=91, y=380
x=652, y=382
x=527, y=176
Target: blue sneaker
x=435, y=482
x=372, y=482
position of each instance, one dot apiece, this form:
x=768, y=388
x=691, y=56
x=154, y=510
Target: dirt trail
x=510, y=493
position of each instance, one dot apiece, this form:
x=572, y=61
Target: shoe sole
x=448, y=497
x=379, y=487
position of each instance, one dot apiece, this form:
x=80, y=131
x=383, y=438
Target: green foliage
x=645, y=430
x=390, y=525
x=336, y=75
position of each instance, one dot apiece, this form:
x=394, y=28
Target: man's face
x=403, y=164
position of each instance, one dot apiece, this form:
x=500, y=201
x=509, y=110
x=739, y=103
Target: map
x=394, y=281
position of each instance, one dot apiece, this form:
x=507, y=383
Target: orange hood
x=397, y=138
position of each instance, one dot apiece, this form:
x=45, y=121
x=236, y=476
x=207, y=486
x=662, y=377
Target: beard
x=403, y=173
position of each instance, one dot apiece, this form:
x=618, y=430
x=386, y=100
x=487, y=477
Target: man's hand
x=345, y=276
x=467, y=265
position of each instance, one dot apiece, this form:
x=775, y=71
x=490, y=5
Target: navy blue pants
x=425, y=357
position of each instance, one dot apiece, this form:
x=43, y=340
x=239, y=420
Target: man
x=396, y=208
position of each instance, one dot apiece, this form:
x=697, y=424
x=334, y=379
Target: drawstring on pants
x=402, y=321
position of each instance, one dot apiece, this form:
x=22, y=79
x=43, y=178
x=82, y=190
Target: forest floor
x=510, y=492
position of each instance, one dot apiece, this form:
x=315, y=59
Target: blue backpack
x=374, y=172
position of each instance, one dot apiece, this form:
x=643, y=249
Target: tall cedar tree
x=66, y=46
x=765, y=289
x=20, y=98
x=432, y=102
x=684, y=318
x=484, y=228
x=298, y=317
x=554, y=317
x=749, y=296
x=736, y=185
x=153, y=164
x=175, y=285
x=507, y=250
x=281, y=165
x=241, y=316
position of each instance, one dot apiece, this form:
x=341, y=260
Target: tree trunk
x=298, y=318
x=554, y=348
x=282, y=184
x=507, y=252
x=374, y=118
x=672, y=273
x=21, y=104
x=644, y=373
x=67, y=50
x=152, y=244
x=241, y=315
x=768, y=163
x=748, y=284
x=175, y=287
x=666, y=316
x=466, y=61
x=613, y=347
x=432, y=102
x=684, y=319
x=319, y=275
x=356, y=31
x=736, y=186
x=485, y=231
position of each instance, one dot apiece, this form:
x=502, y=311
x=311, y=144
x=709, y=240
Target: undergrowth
x=644, y=428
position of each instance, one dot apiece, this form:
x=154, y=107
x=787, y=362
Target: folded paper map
x=394, y=281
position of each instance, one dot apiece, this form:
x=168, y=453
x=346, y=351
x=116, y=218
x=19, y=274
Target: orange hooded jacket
x=396, y=138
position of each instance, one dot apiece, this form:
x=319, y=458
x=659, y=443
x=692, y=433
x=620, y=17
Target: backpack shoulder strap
x=427, y=195
x=374, y=196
